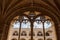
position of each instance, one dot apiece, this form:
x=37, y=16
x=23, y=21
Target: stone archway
x=36, y=7
x=8, y=27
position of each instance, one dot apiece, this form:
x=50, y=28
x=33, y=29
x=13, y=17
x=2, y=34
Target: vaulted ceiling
x=8, y=7
x=11, y=8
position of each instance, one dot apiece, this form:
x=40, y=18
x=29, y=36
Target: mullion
x=19, y=28
x=31, y=29
x=43, y=31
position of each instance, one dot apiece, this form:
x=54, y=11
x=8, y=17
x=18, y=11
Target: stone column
x=4, y=32
x=1, y=30
x=58, y=34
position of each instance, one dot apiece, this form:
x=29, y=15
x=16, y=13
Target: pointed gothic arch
x=51, y=14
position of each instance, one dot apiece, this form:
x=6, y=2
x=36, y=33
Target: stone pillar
x=4, y=32
x=1, y=30
x=58, y=31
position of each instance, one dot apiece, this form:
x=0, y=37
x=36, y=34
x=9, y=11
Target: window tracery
x=38, y=23
x=23, y=33
x=39, y=34
x=15, y=33
x=47, y=34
